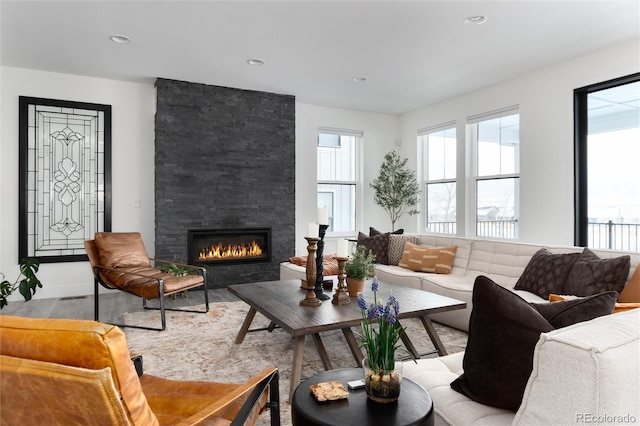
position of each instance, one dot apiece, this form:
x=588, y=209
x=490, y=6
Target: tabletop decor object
x=359, y=268
x=310, y=298
x=341, y=296
x=382, y=376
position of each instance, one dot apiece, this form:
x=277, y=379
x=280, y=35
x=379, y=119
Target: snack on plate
x=329, y=391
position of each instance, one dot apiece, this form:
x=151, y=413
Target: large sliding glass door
x=607, y=118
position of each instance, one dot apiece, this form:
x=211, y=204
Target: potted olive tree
x=396, y=188
x=359, y=268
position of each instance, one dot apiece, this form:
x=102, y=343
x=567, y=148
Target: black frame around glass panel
x=65, y=177
x=580, y=133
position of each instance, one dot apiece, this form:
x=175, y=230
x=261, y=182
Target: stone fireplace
x=224, y=160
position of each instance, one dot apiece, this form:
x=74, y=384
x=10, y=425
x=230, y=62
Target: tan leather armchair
x=78, y=372
x=119, y=261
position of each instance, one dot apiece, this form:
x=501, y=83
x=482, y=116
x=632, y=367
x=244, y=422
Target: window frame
x=356, y=183
x=423, y=136
x=471, y=134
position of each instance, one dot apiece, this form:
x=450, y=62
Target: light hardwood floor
x=112, y=305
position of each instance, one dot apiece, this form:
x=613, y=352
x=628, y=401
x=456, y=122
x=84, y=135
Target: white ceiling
x=413, y=53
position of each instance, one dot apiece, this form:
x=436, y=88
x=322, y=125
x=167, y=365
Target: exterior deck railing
x=614, y=236
x=605, y=235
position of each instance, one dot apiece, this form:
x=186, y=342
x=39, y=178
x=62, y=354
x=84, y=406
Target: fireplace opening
x=229, y=245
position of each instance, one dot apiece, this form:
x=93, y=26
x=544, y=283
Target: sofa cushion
x=592, y=275
x=449, y=406
x=378, y=245
x=567, y=312
x=503, y=332
x=396, y=246
x=585, y=371
x=427, y=259
x=503, y=262
x=546, y=273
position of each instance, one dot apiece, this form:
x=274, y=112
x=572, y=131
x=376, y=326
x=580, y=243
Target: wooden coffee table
x=279, y=301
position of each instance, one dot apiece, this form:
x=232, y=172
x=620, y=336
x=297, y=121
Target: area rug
x=201, y=347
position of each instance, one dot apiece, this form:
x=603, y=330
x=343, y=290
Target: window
x=607, y=148
x=439, y=162
x=337, y=178
x=496, y=140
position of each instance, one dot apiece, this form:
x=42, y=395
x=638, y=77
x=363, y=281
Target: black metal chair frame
x=161, y=295
x=273, y=403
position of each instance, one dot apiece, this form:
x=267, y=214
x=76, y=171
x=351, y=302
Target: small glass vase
x=382, y=386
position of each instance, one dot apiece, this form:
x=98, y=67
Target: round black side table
x=414, y=407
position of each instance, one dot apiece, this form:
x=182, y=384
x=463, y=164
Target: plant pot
x=354, y=286
x=382, y=386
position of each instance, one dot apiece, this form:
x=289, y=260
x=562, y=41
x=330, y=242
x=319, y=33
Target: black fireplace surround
x=229, y=245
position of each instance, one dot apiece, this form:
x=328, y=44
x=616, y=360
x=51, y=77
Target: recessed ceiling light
x=360, y=79
x=255, y=62
x=475, y=20
x=121, y=39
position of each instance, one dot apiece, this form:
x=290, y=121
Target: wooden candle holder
x=341, y=296
x=310, y=298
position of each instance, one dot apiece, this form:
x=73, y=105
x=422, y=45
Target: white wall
x=545, y=98
x=133, y=108
x=379, y=134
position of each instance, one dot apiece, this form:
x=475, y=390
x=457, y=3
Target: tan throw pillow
x=121, y=249
x=631, y=291
x=418, y=258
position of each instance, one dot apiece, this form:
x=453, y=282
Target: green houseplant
x=27, y=285
x=396, y=188
x=358, y=268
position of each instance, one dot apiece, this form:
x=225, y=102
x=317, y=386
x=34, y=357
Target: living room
x=580, y=44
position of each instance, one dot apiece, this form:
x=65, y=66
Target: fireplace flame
x=230, y=251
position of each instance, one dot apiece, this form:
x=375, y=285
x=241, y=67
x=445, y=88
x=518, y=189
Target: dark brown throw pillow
x=373, y=232
x=562, y=314
x=503, y=332
x=546, y=273
x=592, y=275
x=378, y=245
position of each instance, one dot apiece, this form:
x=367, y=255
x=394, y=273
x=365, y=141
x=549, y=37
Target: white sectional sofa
x=502, y=261
x=586, y=373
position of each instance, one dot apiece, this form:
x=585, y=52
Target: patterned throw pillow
x=378, y=245
x=592, y=275
x=546, y=273
x=418, y=258
x=396, y=246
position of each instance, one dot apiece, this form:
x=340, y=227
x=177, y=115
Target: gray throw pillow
x=396, y=246
x=546, y=273
x=592, y=275
x=378, y=245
